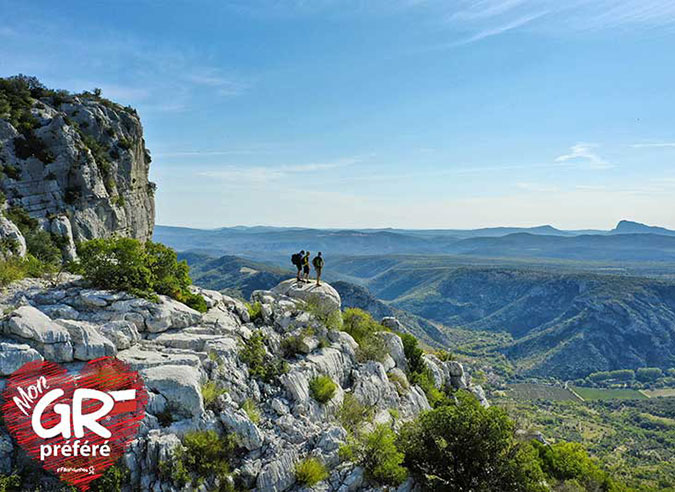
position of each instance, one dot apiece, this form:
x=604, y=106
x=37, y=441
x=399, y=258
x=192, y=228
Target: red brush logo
x=76, y=425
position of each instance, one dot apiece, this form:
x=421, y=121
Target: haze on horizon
x=381, y=113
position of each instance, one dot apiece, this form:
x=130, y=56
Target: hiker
x=318, y=265
x=296, y=259
x=305, y=267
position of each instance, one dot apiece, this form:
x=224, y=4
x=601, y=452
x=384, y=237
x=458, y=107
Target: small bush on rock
x=113, y=479
x=310, y=471
x=251, y=410
x=359, y=324
x=352, y=414
x=204, y=456
x=210, y=393
x=363, y=328
x=15, y=268
x=141, y=269
x=378, y=454
x=261, y=364
x=254, y=311
x=322, y=388
x=327, y=316
x=413, y=353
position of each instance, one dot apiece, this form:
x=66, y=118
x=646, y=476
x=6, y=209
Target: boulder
x=10, y=234
x=324, y=295
x=181, y=387
x=123, y=334
x=15, y=355
x=170, y=314
x=46, y=336
x=87, y=341
x=279, y=474
x=247, y=432
x=394, y=347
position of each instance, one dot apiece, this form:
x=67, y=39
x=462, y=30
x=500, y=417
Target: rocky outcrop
x=178, y=351
x=324, y=295
x=82, y=171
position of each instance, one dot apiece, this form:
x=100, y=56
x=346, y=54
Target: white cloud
x=583, y=154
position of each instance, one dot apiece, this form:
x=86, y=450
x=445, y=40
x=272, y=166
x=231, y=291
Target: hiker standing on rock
x=296, y=259
x=305, y=267
x=318, y=265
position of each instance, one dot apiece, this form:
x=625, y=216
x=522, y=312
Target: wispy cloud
x=655, y=145
x=584, y=154
x=537, y=187
x=499, y=29
x=264, y=174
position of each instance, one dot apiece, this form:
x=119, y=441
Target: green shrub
x=21, y=219
x=569, y=461
x=359, y=324
x=425, y=380
x=112, y=480
x=15, y=268
x=42, y=246
x=290, y=346
x=9, y=482
x=352, y=414
x=310, y=471
x=195, y=301
x=363, y=328
x=327, y=316
x=261, y=364
x=141, y=269
x=479, y=444
x=413, y=353
x=210, y=393
x=10, y=171
x=30, y=145
x=401, y=383
x=322, y=388
x=372, y=347
x=648, y=374
x=204, y=456
x=254, y=311
x=378, y=454
x=116, y=264
x=251, y=410
x=10, y=271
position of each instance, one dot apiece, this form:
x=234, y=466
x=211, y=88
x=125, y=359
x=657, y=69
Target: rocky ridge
x=177, y=350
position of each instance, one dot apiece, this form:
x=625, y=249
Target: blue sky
x=377, y=113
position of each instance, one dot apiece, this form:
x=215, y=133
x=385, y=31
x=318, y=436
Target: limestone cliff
x=77, y=163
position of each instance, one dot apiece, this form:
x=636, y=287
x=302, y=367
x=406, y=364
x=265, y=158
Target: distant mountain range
x=629, y=241
x=556, y=294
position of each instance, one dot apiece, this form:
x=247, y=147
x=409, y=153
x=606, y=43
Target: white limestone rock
x=324, y=295
x=180, y=385
x=15, y=355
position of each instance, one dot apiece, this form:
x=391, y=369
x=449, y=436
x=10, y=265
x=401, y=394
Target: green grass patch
x=322, y=388
x=310, y=471
x=591, y=394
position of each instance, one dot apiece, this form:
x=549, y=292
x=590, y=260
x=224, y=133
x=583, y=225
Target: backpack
x=296, y=259
x=318, y=262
